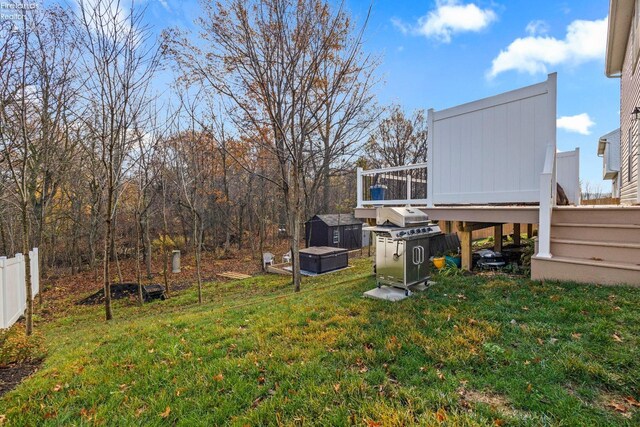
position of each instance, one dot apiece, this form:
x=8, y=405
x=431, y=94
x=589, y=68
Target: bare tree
x=399, y=140
x=265, y=58
x=119, y=62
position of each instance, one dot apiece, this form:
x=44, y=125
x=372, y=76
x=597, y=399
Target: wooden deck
x=486, y=214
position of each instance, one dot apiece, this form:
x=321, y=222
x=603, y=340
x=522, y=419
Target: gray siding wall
x=629, y=99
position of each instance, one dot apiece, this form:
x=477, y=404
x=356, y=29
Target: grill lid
x=401, y=216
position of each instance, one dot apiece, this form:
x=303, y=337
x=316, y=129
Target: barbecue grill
x=402, y=246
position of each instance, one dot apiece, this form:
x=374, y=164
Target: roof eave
x=619, y=26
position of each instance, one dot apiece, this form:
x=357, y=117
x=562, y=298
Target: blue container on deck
x=377, y=191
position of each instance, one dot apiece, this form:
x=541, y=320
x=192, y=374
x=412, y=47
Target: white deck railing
x=497, y=150
x=395, y=186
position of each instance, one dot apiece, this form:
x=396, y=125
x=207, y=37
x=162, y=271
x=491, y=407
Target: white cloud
x=584, y=41
x=580, y=123
x=537, y=27
x=448, y=18
x=165, y=4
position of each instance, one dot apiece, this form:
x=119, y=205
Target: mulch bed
x=127, y=291
x=12, y=375
x=118, y=291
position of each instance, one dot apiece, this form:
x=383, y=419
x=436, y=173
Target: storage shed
x=335, y=230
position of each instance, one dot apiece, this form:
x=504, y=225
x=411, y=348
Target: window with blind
x=629, y=146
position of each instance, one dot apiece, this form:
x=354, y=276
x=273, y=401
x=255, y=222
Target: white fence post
x=547, y=195
x=22, y=292
x=359, y=188
x=430, y=162
x=35, y=271
x=3, y=284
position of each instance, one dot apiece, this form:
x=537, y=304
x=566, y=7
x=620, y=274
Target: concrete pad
x=418, y=287
x=386, y=293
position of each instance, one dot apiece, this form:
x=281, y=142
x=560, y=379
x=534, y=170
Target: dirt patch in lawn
x=625, y=406
x=497, y=402
x=12, y=375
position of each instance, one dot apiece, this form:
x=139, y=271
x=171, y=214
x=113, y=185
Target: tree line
x=117, y=140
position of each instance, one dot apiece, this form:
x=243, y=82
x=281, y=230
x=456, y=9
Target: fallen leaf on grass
x=3, y=419
x=57, y=387
x=371, y=423
x=441, y=415
x=498, y=422
x=261, y=380
x=166, y=412
x=336, y=387
x=632, y=401
x=617, y=338
x=529, y=388
x=256, y=401
x=87, y=414
x=618, y=407
x=218, y=377
x=576, y=336
x=440, y=375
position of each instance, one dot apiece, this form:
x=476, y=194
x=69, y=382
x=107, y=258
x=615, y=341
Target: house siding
x=629, y=99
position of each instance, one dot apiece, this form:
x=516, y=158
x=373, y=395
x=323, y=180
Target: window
x=336, y=236
x=629, y=146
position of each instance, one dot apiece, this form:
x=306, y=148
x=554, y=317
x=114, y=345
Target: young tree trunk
x=197, y=235
x=107, y=254
x=147, y=245
x=138, y=268
x=295, y=229
x=27, y=269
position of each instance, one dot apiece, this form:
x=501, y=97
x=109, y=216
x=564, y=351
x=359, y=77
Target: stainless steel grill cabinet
x=402, y=246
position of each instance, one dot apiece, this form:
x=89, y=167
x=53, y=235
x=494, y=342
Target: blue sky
x=440, y=53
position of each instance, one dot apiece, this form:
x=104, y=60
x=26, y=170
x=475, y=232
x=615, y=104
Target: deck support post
x=529, y=231
x=467, y=251
x=516, y=234
x=497, y=238
x=359, y=187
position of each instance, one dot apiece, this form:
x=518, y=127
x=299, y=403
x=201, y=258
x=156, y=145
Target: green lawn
x=477, y=350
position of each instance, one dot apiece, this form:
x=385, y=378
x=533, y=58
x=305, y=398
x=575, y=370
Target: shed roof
x=333, y=220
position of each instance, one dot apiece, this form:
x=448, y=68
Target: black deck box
x=320, y=259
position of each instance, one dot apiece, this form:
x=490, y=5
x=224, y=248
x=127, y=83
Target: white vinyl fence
x=13, y=295
x=568, y=174
x=492, y=150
